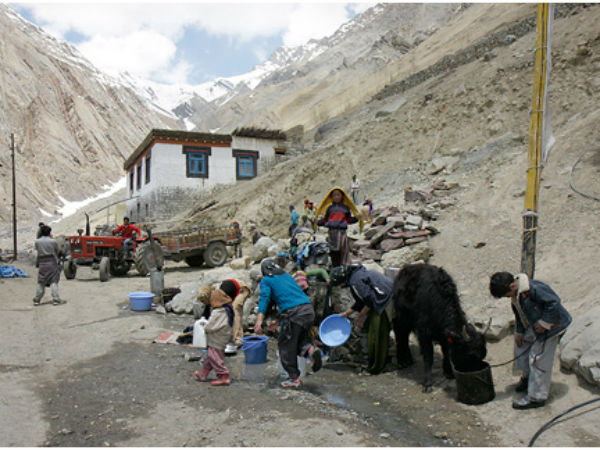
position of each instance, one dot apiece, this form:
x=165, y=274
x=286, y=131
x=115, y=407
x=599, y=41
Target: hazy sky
x=185, y=42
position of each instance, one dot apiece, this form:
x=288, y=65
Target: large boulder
x=240, y=263
x=261, y=248
x=407, y=255
x=580, y=347
x=217, y=275
x=183, y=302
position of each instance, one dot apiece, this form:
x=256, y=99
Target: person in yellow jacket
x=339, y=211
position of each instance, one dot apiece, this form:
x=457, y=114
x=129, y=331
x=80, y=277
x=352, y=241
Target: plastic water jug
x=199, y=339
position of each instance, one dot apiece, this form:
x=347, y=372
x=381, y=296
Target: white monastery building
x=170, y=169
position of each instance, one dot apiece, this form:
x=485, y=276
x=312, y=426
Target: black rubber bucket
x=476, y=387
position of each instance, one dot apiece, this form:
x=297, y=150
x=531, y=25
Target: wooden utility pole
x=536, y=139
x=14, y=193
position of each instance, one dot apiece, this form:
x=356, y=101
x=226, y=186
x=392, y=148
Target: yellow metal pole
x=534, y=158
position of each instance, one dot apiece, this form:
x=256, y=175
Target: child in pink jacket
x=219, y=331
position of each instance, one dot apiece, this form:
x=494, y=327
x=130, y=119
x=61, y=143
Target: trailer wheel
x=215, y=254
x=104, y=268
x=195, y=260
x=70, y=269
x=147, y=257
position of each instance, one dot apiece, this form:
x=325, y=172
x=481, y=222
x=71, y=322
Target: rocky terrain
x=456, y=109
x=73, y=125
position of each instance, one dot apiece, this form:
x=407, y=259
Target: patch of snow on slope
x=69, y=208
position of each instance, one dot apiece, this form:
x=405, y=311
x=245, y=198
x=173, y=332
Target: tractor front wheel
x=104, y=268
x=70, y=269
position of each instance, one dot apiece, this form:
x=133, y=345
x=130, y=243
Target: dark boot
x=522, y=385
x=222, y=380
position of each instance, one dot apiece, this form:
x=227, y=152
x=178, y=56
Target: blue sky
x=185, y=43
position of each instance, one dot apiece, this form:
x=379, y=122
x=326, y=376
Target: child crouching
x=219, y=330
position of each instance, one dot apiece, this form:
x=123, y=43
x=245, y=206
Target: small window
x=148, y=168
x=131, y=180
x=245, y=163
x=196, y=160
x=139, y=176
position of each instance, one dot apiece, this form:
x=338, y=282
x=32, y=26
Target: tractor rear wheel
x=70, y=269
x=104, y=268
x=148, y=256
x=215, y=254
x=195, y=260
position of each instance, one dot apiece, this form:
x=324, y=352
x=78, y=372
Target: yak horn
x=487, y=328
x=465, y=335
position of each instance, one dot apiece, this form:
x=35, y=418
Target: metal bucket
x=475, y=388
x=157, y=283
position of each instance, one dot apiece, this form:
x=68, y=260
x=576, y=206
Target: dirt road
x=87, y=374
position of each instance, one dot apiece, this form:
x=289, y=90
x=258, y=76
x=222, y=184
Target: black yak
x=427, y=303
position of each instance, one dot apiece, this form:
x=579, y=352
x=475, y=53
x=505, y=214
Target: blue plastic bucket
x=255, y=349
x=140, y=301
x=334, y=330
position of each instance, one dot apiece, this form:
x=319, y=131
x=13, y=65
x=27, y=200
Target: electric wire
x=548, y=424
x=583, y=194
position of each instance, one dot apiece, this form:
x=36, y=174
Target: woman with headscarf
x=340, y=212
x=372, y=293
x=296, y=317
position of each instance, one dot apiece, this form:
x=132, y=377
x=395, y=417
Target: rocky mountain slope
x=312, y=82
x=455, y=107
x=465, y=123
x=73, y=125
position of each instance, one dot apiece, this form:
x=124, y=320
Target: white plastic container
x=199, y=337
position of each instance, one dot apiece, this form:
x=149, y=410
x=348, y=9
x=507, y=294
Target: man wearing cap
x=126, y=230
x=296, y=317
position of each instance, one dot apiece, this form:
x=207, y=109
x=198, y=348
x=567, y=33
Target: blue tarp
x=12, y=272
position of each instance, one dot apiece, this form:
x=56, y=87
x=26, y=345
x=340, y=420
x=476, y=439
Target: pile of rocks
x=392, y=229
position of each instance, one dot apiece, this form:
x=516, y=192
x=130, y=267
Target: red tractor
x=108, y=254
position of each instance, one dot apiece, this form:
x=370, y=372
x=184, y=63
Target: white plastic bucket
x=199, y=336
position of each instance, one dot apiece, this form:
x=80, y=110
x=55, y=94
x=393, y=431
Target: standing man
x=49, y=269
x=296, y=317
x=354, y=189
x=126, y=230
x=540, y=319
x=294, y=217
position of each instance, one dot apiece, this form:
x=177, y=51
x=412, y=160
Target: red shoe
x=202, y=375
x=222, y=380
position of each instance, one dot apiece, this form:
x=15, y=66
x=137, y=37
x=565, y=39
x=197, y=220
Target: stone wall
x=481, y=49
